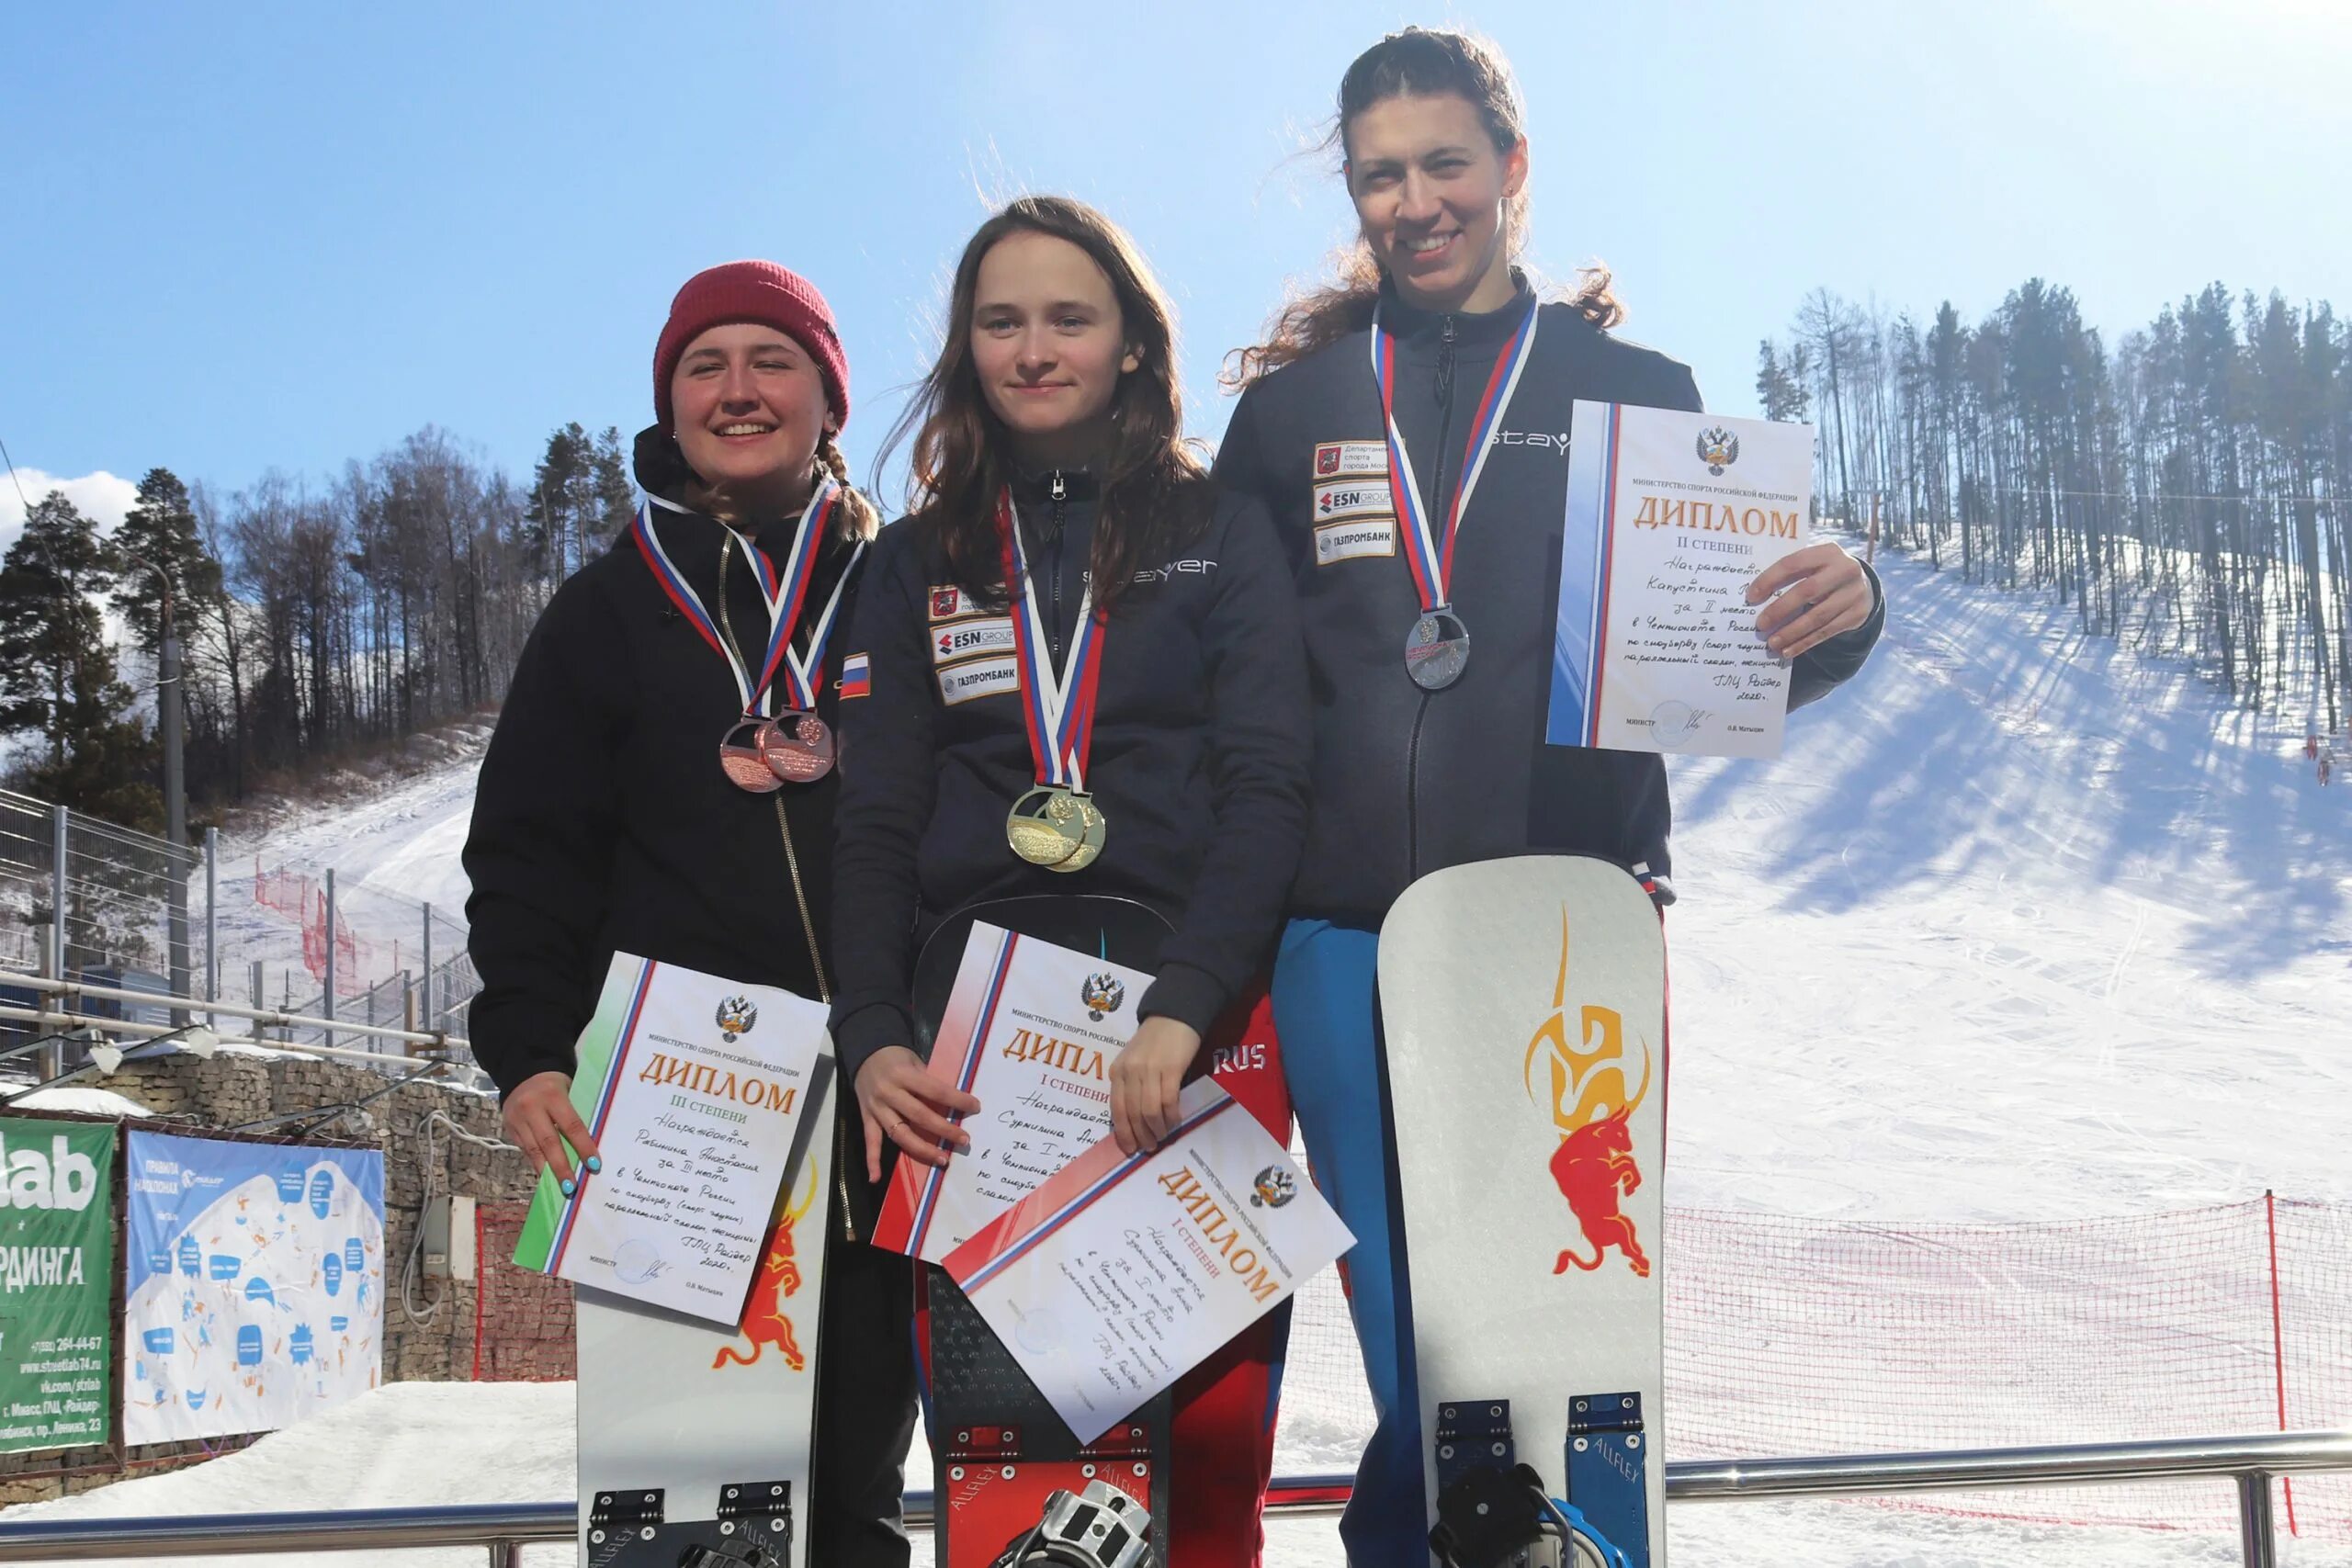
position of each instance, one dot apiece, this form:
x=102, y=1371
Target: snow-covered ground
x=401, y=836
x=2020, y=928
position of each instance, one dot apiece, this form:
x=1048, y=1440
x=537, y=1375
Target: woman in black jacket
x=661, y=784
x=1066, y=543
x=1367, y=387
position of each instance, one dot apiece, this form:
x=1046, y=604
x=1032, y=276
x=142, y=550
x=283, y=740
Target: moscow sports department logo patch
x=1718, y=448
x=1334, y=459
x=735, y=1016
x=1101, y=994
x=1274, y=1188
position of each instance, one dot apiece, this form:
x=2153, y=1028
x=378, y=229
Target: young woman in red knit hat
x=648, y=791
x=1054, y=489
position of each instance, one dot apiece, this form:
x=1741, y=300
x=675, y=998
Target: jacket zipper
x=1444, y=390
x=800, y=898
x=1060, y=494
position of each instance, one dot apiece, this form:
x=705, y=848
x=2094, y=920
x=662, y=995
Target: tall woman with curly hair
x=1429, y=626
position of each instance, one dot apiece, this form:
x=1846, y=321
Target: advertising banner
x=253, y=1284
x=56, y=1279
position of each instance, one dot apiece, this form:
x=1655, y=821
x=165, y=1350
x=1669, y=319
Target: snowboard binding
x=1489, y=1519
x=754, y=1530
x=1494, y=1512
x=1100, y=1527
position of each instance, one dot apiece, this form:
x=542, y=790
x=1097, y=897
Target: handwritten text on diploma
x=695, y=1087
x=1122, y=1273
x=1670, y=517
x=1030, y=1031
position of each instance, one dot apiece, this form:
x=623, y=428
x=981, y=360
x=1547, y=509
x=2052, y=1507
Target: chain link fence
x=107, y=905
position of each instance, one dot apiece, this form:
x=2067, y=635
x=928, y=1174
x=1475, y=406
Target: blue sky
x=289, y=234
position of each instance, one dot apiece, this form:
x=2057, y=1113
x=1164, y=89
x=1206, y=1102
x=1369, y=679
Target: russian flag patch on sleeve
x=855, y=678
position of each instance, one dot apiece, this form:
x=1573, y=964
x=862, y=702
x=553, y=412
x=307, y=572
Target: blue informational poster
x=253, y=1284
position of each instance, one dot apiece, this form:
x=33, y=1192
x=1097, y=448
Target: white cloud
x=101, y=495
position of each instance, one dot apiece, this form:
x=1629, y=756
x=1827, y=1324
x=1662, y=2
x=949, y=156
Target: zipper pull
x=1444, y=382
x=1061, y=486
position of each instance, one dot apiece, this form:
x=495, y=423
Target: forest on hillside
x=2184, y=487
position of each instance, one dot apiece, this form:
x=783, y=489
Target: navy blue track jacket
x=1407, y=782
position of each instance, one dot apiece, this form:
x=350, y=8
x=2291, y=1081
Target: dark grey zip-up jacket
x=1199, y=757
x=1407, y=782
x=601, y=819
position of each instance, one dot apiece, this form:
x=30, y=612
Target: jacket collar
x=661, y=471
x=1036, y=488
x=1410, y=325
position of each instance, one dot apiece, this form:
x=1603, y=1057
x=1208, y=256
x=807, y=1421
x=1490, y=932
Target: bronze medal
x=797, y=748
x=740, y=757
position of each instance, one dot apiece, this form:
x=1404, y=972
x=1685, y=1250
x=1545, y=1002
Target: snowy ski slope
x=2020, y=928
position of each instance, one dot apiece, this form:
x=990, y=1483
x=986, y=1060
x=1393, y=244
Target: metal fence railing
x=88, y=900
x=2250, y=1463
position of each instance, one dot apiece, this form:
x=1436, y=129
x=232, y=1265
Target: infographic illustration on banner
x=56, y=1282
x=253, y=1284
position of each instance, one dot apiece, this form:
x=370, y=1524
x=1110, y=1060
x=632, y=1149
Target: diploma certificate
x=1030, y=1030
x=1122, y=1273
x=694, y=1088
x=1670, y=517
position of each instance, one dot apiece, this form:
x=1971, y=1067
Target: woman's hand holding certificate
x=1023, y=1064
x=1678, y=524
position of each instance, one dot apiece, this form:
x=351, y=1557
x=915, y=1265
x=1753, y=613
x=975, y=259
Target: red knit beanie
x=751, y=291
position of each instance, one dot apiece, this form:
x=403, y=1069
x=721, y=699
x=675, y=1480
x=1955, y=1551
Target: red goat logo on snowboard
x=1594, y=1165
x=764, y=1321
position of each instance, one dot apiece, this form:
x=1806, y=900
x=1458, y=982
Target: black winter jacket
x=1407, y=782
x=1199, y=757
x=602, y=821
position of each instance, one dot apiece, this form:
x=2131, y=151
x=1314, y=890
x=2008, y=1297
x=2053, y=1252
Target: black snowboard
x=999, y=1449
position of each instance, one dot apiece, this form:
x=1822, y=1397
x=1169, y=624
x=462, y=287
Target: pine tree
x=560, y=518
x=615, y=495
x=160, y=531
x=58, y=676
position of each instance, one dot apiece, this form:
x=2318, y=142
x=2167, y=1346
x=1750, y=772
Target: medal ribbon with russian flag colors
x=1056, y=825
x=1428, y=553
x=1058, y=709
x=784, y=592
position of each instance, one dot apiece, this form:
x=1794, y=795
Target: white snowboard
x=1524, y=1002
x=691, y=1408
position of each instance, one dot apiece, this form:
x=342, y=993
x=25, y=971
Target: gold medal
x=1037, y=827
x=1057, y=829
x=1093, y=830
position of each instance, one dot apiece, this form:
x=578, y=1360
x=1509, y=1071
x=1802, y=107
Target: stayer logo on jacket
x=964, y=639
x=1542, y=440
x=1190, y=566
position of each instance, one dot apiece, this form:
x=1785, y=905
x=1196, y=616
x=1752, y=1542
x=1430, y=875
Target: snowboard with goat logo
x=1524, y=1007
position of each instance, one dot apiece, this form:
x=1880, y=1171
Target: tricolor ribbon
x=1058, y=709
x=784, y=592
x=1427, y=553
